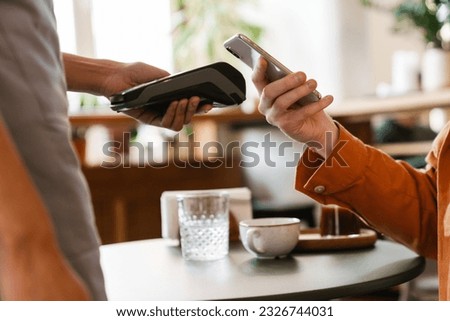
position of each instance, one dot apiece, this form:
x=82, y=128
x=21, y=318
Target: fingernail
x=328, y=98
x=300, y=77
x=311, y=84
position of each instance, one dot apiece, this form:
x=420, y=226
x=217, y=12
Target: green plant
x=431, y=17
x=88, y=101
x=201, y=27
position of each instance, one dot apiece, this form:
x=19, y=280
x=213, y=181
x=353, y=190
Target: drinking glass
x=204, y=225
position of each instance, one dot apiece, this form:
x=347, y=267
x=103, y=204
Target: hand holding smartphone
x=249, y=52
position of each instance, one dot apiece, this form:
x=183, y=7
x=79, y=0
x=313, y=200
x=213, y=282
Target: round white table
x=153, y=270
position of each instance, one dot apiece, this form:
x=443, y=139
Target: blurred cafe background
x=382, y=61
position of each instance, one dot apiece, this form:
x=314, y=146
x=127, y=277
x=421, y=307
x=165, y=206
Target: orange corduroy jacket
x=411, y=206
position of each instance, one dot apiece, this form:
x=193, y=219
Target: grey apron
x=33, y=106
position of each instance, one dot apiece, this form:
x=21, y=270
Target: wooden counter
x=351, y=107
x=111, y=119
x=371, y=106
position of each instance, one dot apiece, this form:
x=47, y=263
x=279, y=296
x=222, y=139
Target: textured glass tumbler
x=204, y=225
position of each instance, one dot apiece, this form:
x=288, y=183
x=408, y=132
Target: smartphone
x=245, y=49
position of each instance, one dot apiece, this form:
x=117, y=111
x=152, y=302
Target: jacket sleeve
x=390, y=196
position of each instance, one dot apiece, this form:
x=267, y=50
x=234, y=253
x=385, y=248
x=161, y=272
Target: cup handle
x=251, y=235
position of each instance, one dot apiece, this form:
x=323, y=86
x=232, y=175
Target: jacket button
x=319, y=189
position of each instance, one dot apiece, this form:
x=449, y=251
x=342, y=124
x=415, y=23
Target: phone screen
x=249, y=52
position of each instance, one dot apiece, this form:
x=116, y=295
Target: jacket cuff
x=318, y=177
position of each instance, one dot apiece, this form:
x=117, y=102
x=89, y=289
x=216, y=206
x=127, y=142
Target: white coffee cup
x=270, y=237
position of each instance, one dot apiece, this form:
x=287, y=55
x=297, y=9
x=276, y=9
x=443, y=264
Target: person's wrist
x=102, y=71
x=89, y=75
x=327, y=139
